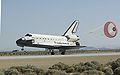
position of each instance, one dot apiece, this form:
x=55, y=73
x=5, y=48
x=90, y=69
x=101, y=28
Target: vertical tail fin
x=72, y=29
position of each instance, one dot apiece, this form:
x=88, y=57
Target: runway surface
x=57, y=56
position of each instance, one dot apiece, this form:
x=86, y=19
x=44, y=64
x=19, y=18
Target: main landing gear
x=22, y=49
x=51, y=51
x=62, y=51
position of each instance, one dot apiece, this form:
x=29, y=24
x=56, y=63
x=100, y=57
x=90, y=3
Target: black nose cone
x=20, y=42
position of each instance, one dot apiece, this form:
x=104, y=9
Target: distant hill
x=97, y=48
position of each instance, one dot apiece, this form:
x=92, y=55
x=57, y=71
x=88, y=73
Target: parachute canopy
x=110, y=29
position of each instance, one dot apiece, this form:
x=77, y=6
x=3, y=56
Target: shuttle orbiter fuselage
x=65, y=42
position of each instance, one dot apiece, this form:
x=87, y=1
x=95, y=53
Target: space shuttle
x=69, y=40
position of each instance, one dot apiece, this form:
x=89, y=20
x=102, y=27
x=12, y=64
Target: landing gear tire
x=77, y=43
x=22, y=49
x=52, y=53
x=62, y=53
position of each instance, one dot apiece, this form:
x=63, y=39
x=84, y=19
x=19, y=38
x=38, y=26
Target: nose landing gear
x=62, y=53
x=77, y=43
x=22, y=49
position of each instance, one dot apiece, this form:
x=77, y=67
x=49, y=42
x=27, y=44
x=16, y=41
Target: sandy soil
x=44, y=63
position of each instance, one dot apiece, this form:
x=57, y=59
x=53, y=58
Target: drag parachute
x=110, y=29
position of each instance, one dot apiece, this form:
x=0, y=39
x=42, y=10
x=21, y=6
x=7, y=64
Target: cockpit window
x=28, y=35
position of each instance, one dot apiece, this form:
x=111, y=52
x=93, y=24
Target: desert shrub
x=79, y=69
x=55, y=72
x=101, y=67
x=95, y=63
x=108, y=71
x=19, y=68
x=92, y=72
x=33, y=69
x=90, y=65
x=76, y=73
x=26, y=70
x=59, y=66
x=71, y=69
x=39, y=71
x=86, y=67
x=2, y=73
x=115, y=64
x=118, y=60
x=83, y=68
x=29, y=72
x=80, y=64
x=117, y=71
x=11, y=72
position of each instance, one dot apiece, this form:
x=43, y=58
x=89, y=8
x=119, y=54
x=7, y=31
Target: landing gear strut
x=62, y=52
x=51, y=51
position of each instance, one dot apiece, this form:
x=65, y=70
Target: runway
x=57, y=56
x=45, y=61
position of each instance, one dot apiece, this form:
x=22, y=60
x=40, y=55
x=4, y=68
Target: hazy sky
x=0, y=16
x=54, y=16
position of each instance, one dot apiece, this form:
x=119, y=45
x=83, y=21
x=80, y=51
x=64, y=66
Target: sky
x=0, y=16
x=54, y=16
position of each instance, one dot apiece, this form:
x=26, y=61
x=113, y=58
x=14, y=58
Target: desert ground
x=45, y=63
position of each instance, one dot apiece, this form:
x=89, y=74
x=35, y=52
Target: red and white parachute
x=110, y=29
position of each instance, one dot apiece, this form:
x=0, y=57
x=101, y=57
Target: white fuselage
x=67, y=41
x=50, y=40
